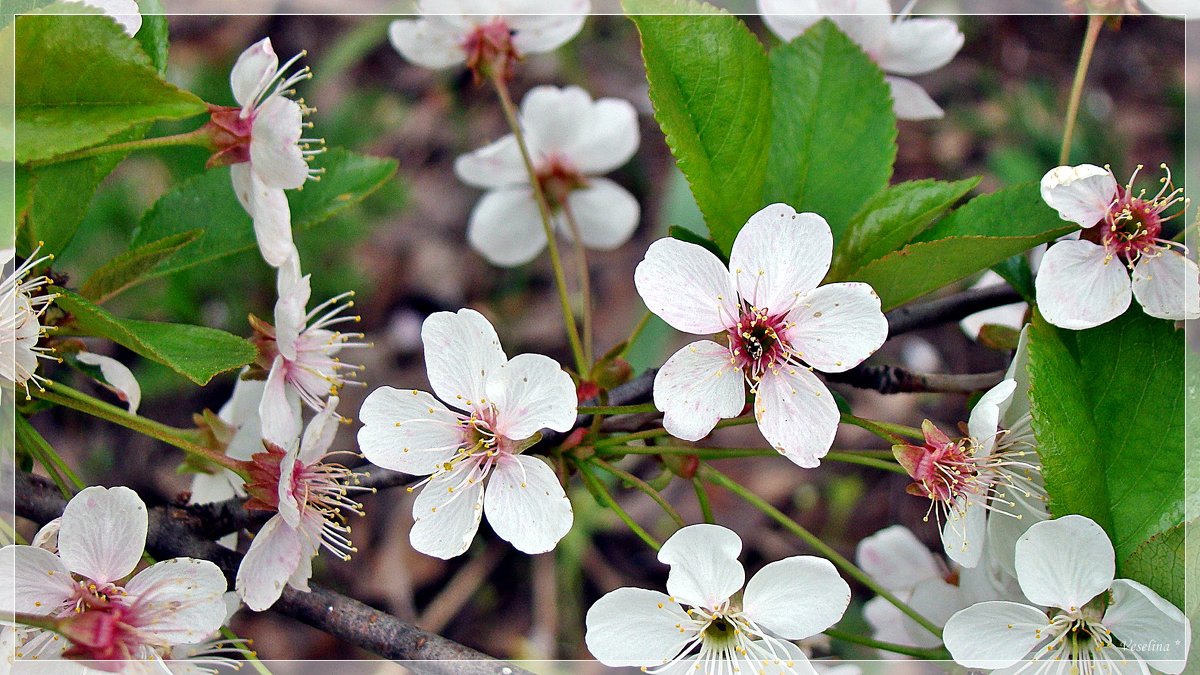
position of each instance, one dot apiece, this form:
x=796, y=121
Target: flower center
x=490, y=51
x=757, y=342
x=1134, y=222
x=720, y=633
x=558, y=178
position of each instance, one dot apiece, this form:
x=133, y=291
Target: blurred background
x=404, y=252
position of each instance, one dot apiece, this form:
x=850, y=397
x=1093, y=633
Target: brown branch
x=894, y=380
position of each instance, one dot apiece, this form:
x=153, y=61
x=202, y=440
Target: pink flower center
x=1134, y=222
x=558, y=178
x=757, y=343
x=490, y=51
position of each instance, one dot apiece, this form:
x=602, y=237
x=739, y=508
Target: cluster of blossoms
x=22, y=303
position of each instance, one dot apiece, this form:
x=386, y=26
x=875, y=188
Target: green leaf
x=80, y=81
x=207, y=202
x=154, y=35
x=833, y=139
x=710, y=86
x=1160, y=562
x=60, y=195
x=127, y=269
x=1017, y=272
x=891, y=218
x=196, y=352
x=1016, y=211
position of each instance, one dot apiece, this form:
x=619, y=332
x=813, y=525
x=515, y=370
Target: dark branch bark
x=950, y=308
x=894, y=380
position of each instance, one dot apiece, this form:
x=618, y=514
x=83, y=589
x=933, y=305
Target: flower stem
x=585, y=284
x=892, y=433
x=198, y=137
x=657, y=433
x=702, y=497
x=642, y=486
x=33, y=442
x=596, y=487
x=851, y=458
x=702, y=453
x=617, y=409
x=43, y=621
x=715, y=477
x=582, y=365
x=1095, y=23
x=916, y=652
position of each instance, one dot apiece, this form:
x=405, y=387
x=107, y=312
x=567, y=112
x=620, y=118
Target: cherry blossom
x=701, y=626
x=240, y=432
x=571, y=140
x=496, y=408
x=1085, y=282
x=22, y=303
x=777, y=325
x=116, y=376
x=902, y=46
x=124, y=12
x=1094, y=623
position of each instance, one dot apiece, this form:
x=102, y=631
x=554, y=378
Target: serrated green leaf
x=127, y=269
x=1016, y=211
x=154, y=35
x=1017, y=272
x=60, y=195
x=710, y=86
x=1160, y=563
x=207, y=202
x=891, y=219
x=196, y=352
x=833, y=138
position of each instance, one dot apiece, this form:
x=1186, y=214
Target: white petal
x=243, y=186
x=407, y=431
x=896, y=559
x=887, y=623
x=275, y=154
x=541, y=31
x=937, y=601
x=271, y=213
x=1167, y=285
x=837, y=326
x=184, y=595
x=506, y=227
x=867, y=22
x=796, y=414
x=103, y=533
x=447, y=512
x=704, y=567
x=293, y=290
x=461, y=351
x=994, y=634
x=553, y=117
x=1173, y=8
x=427, y=42
x=1011, y=316
x=531, y=392
x=495, y=165
x=1147, y=624
x=280, y=417
x=125, y=12
x=47, y=536
x=911, y=103
x=117, y=375
x=274, y=553
x=796, y=597
x=696, y=388
x=985, y=416
x=311, y=526
x=1065, y=562
x=526, y=505
x=210, y=488
x=780, y=255
x=254, y=70
x=1003, y=532
x=320, y=432
x=35, y=580
x=608, y=139
x=1079, y=286
x=636, y=627
x=789, y=18
x=687, y=286
x=606, y=213
x=241, y=412
x=1081, y=194
x=964, y=533
x=918, y=46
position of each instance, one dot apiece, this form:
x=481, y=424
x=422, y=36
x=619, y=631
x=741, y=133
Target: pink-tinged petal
x=531, y=392
x=408, y=430
x=103, y=533
x=447, y=511
x=788, y=19
x=687, y=286
x=606, y=213
x=461, y=351
x=837, y=326
x=274, y=554
x=427, y=42
x=280, y=417
x=918, y=46
x=896, y=559
x=253, y=72
x=1167, y=285
x=636, y=627
x=608, y=140
x=270, y=212
x=293, y=290
x=320, y=432
x=1079, y=286
x=275, y=154
x=696, y=388
x=1081, y=194
x=542, y=26
x=311, y=527
x=796, y=597
x=243, y=185
x=125, y=12
x=994, y=634
x=937, y=601
x=506, y=227
x=553, y=118
x=117, y=375
x=964, y=534
x=704, y=565
x=184, y=595
x=495, y=165
x=985, y=416
x=779, y=255
x=1147, y=624
x=1065, y=562
x=796, y=414
x=911, y=102
x=35, y=580
x=526, y=505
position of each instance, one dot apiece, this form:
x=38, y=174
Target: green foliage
x=58, y=198
x=154, y=36
x=710, y=86
x=1159, y=562
x=127, y=269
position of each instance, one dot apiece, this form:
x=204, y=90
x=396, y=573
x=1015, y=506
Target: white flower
x=240, y=415
x=778, y=327
x=116, y=376
x=1085, y=282
x=21, y=307
x=901, y=46
x=101, y=537
x=700, y=627
x=263, y=143
x=124, y=12
x=499, y=405
x=1095, y=624
x=292, y=477
x=486, y=34
x=571, y=139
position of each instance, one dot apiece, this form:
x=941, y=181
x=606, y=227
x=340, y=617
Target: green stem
x=702, y=497
x=916, y=652
x=702, y=453
x=851, y=458
x=596, y=487
x=717, y=478
x=198, y=137
x=585, y=284
x=31, y=440
x=617, y=409
x=643, y=486
x=582, y=365
x=893, y=433
x=1095, y=23
x=251, y=656
x=658, y=433
x=43, y=621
